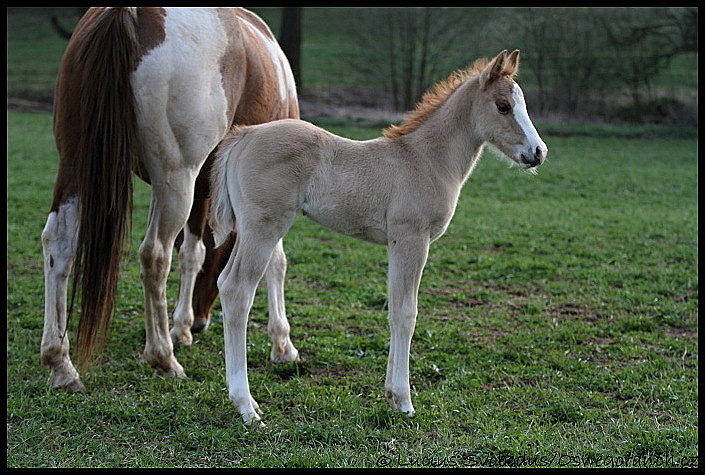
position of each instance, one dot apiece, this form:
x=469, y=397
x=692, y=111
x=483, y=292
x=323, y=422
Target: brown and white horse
x=151, y=91
x=399, y=190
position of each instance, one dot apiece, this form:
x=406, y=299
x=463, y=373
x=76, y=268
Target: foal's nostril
x=534, y=157
x=539, y=153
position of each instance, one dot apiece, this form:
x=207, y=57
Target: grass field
x=557, y=327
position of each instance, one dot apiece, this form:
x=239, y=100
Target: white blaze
x=522, y=117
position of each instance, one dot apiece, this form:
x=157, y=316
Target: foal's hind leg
x=59, y=243
x=237, y=285
x=283, y=349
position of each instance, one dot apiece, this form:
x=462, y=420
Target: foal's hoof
x=253, y=422
x=399, y=403
x=250, y=411
x=253, y=419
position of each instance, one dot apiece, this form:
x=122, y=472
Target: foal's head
x=502, y=118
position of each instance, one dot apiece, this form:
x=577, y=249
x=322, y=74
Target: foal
x=400, y=190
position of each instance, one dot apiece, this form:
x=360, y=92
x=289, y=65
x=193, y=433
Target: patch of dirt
x=356, y=104
x=359, y=105
x=25, y=105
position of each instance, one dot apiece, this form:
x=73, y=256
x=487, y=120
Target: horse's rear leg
x=206, y=290
x=192, y=253
x=258, y=243
x=197, y=290
x=282, y=349
x=167, y=216
x=59, y=245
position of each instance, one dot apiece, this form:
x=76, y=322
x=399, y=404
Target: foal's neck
x=448, y=138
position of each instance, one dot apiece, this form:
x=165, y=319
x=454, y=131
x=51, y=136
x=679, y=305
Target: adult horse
x=399, y=190
x=150, y=91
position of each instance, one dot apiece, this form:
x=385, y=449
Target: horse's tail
x=222, y=217
x=94, y=125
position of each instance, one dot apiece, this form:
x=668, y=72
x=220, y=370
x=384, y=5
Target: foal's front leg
x=407, y=257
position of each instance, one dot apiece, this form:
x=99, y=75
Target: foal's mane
x=433, y=99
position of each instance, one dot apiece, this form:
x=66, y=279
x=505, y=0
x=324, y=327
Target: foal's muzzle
x=534, y=157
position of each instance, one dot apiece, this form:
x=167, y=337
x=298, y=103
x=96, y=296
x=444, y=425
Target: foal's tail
x=222, y=217
x=94, y=121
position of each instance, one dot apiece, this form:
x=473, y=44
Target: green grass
x=557, y=326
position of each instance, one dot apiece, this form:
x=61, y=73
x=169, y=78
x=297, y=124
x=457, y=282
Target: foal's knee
x=403, y=321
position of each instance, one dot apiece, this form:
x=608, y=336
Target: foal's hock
x=399, y=190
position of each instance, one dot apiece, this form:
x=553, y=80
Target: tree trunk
x=291, y=40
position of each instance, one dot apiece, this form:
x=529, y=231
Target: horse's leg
x=59, y=245
x=206, y=290
x=282, y=349
x=168, y=212
x=407, y=257
x=192, y=254
x=195, y=256
x=198, y=284
x=237, y=285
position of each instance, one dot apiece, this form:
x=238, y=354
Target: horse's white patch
x=178, y=86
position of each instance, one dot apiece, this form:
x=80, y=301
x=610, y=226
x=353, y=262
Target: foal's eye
x=503, y=107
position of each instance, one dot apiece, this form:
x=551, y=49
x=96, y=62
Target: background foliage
x=623, y=64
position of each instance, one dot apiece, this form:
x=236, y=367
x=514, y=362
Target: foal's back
x=352, y=187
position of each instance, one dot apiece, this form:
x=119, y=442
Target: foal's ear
x=494, y=69
x=511, y=65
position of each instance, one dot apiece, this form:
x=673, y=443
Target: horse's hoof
x=71, y=384
x=172, y=372
x=200, y=325
x=286, y=353
x=181, y=338
x=63, y=374
x=170, y=369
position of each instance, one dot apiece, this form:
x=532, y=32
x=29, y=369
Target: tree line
x=574, y=59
